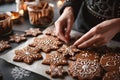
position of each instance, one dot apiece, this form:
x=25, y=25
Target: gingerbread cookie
x=91, y=55
x=49, y=31
x=112, y=75
x=46, y=43
x=4, y=45
x=27, y=55
x=55, y=59
x=84, y=69
x=68, y=50
x=56, y=71
x=33, y=32
x=17, y=38
x=110, y=61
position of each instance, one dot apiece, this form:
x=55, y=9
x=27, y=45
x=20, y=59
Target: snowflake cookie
x=56, y=71
x=4, y=45
x=110, y=61
x=27, y=55
x=17, y=38
x=84, y=69
x=68, y=50
x=55, y=59
x=33, y=32
x=112, y=75
x=46, y=43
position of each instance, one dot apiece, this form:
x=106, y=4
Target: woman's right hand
x=64, y=24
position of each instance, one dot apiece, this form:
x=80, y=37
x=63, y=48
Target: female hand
x=64, y=24
x=100, y=34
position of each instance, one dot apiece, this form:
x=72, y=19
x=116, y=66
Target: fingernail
x=75, y=44
x=79, y=46
x=66, y=41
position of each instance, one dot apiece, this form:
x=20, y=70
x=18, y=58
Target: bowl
x=5, y=24
x=41, y=14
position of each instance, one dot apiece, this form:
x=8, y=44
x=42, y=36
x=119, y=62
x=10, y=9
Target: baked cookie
x=56, y=71
x=27, y=55
x=49, y=31
x=68, y=50
x=55, y=59
x=91, y=55
x=4, y=45
x=17, y=38
x=46, y=43
x=33, y=32
x=110, y=61
x=112, y=75
x=86, y=54
x=84, y=69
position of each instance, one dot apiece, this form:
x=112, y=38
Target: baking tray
x=37, y=66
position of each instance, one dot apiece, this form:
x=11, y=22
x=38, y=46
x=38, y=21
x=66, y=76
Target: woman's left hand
x=100, y=34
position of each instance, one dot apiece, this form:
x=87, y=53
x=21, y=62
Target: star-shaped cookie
x=49, y=31
x=46, y=43
x=56, y=71
x=17, y=38
x=55, y=59
x=4, y=45
x=68, y=50
x=33, y=32
x=27, y=55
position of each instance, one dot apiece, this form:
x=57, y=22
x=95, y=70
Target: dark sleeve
x=75, y=4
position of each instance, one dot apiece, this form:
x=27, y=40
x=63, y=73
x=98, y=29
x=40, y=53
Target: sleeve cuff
x=75, y=4
x=66, y=4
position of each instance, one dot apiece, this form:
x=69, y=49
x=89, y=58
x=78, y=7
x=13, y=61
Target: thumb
x=68, y=28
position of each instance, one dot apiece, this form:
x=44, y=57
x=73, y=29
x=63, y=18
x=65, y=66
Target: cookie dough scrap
x=27, y=55
x=17, y=38
x=33, y=32
x=84, y=69
x=110, y=61
x=56, y=71
x=55, y=59
x=4, y=45
x=46, y=43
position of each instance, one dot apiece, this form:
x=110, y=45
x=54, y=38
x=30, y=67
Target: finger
x=99, y=44
x=88, y=43
x=59, y=31
x=63, y=38
x=67, y=37
x=69, y=26
x=68, y=30
x=57, y=28
x=85, y=37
